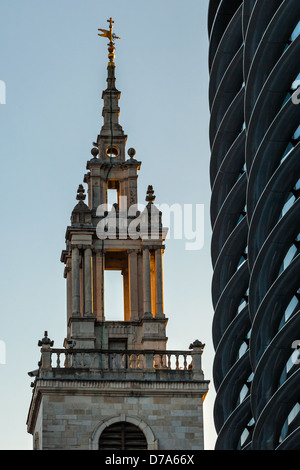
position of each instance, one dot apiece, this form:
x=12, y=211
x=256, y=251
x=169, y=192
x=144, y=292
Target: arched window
x=122, y=436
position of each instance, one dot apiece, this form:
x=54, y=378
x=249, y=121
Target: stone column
x=126, y=294
x=68, y=276
x=99, y=285
x=123, y=196
x=140, y=275
x=133, y=284
x=159, y=284
x=147, y=284
x=103, y=195
x=132, y=188
x=88, y=307
x=75, y=283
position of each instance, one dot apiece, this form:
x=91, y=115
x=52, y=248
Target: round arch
x=147, y=431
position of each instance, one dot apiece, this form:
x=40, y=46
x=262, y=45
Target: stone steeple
x=110, y=167
x=115, y=375
x=120, y=238
x=111, y=141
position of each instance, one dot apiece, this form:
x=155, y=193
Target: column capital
x=152, y=247
x=76, y=247
x=145, y=247
x=87, y=247
x=135, y=251
x=81, y=246
x=100, y=250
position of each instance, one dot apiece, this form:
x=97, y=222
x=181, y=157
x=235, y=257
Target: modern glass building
x=255, y=215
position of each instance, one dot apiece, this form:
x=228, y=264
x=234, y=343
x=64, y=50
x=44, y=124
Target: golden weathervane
x=111, y=36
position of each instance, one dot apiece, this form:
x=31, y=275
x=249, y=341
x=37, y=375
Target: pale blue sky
x=54, y=67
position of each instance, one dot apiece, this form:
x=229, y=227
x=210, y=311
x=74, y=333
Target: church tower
x=114, y=385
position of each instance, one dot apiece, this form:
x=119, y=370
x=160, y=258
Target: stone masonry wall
x=69, y=421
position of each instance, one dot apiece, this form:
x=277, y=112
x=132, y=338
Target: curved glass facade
x=255, y=216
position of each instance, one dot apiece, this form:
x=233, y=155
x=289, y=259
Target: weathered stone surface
x=170, y=416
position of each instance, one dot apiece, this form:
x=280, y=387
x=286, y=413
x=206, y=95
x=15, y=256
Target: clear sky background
x=54, y=67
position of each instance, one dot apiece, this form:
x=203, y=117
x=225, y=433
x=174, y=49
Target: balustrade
x=120, y=360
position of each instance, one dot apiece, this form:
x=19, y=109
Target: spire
x=111, y=140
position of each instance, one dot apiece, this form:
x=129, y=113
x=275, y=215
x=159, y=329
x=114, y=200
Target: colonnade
x=143, y=276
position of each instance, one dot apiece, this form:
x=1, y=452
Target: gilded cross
x=111, y=36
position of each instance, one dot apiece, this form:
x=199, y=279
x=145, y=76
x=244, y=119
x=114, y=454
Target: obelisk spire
x=111, y=140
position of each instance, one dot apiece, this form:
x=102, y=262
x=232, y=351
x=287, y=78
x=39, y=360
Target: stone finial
x=131, y=152
x=80, y=193
x=197, y=344
x=81, y=214
x=95, y=152
x=46, y=341
x=150, y=197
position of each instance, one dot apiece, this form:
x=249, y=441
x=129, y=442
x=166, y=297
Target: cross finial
x=150, y=197
x=111, y=36
x=80, y=193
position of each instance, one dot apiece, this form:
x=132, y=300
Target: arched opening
x=114, y=295
x=117, y=299
x=112, y=192
x=122, y=436
x=112, y=151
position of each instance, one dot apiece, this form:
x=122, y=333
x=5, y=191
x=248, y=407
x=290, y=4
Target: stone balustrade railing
x=114, y=360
